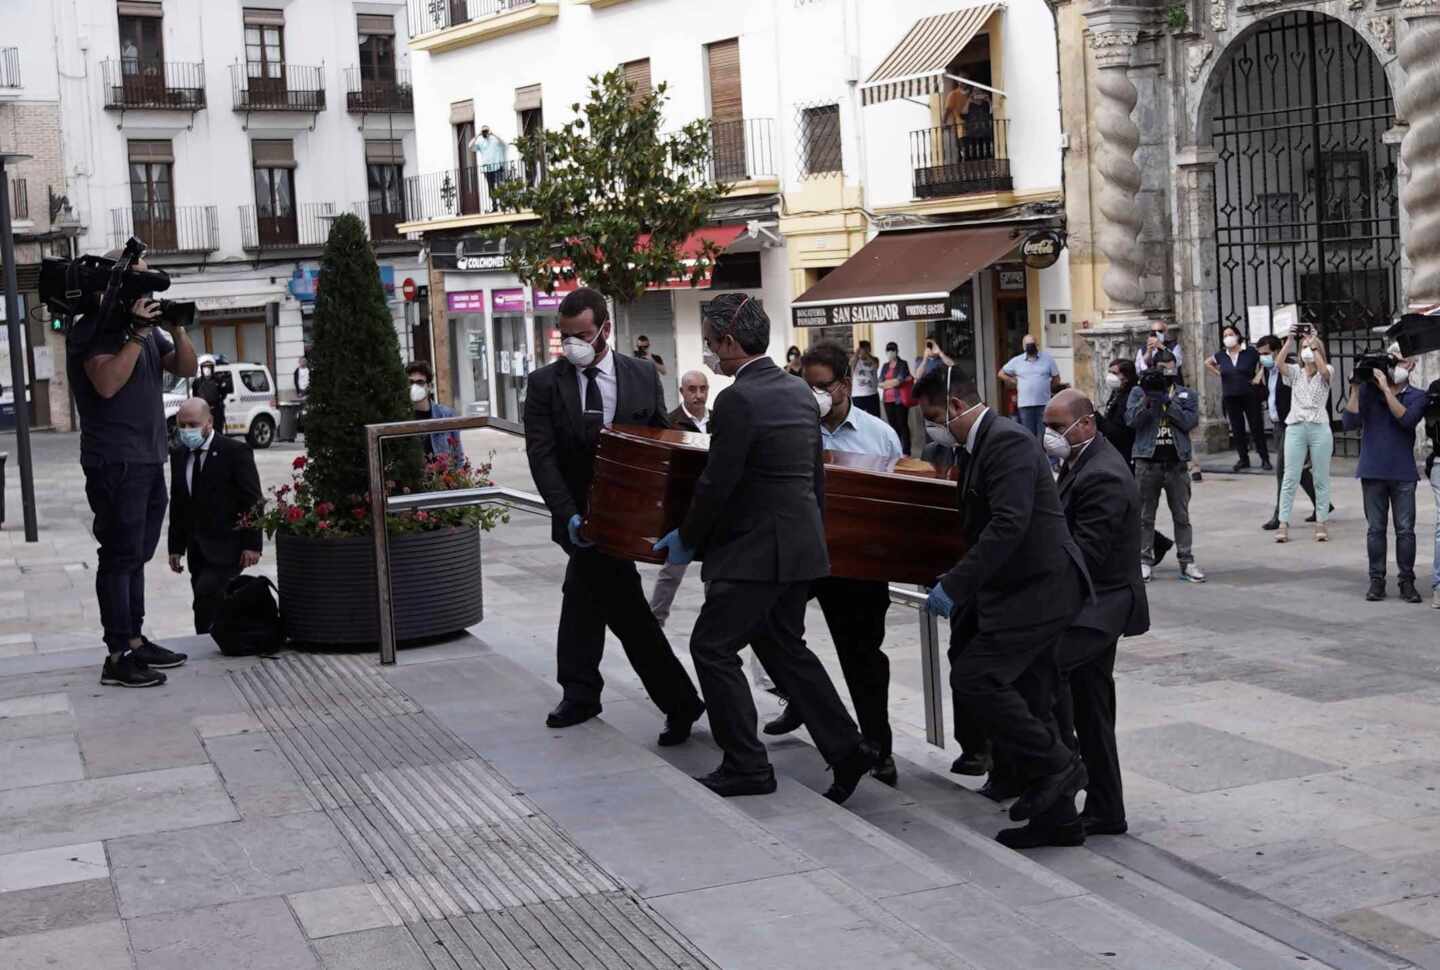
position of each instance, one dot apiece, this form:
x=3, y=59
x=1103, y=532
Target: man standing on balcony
x=490, y=159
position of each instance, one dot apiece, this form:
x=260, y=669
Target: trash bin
x=289, y=421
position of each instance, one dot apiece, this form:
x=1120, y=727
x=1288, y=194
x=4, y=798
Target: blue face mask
x=191, y=438
x=1267, y=360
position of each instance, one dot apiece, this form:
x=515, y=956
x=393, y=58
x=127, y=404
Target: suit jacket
x=756, y=511
x=562, y=458
x=226, y=487
x=680, y=418
x=1112, y=423
x=1020, y=547
x=1102, y=509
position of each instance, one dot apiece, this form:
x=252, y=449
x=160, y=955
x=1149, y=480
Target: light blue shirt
x=1034, y=377
x=490, y=153
x=862, y=433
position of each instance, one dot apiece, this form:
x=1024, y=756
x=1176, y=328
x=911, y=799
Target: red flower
x=323, y=509
x=323, y=524
x=299, y=462
x=294, y=514
x=359, y=512
x=422, y=516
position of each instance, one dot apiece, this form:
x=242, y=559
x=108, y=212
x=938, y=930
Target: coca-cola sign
x=1041, y=250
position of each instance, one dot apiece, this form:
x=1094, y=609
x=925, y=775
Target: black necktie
x=594, y=405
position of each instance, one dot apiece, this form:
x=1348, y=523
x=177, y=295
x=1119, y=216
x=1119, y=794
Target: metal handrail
x=931, y=672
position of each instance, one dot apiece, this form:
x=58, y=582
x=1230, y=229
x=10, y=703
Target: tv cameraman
x=114, y=370
x=1387, y=410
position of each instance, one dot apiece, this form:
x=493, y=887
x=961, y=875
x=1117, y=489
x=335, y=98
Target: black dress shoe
x=1408, y=592
x=1035, y=836
x=1103, y=826
x=1043, y=794
x=787, y=721
x=970, y=764
x=677, y=729
x=1240, y=465
x=1311, y=516
x=728, y=784
x=571, y=713
x=850, y=770
x=1274, y=524
x=1001, y=789
x=1265, y=465
x=885, y=772
x=1195, y=476
x=1376, y=592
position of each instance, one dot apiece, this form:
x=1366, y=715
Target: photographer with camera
x=1387, y=410
x=1163, y=412
x=116, y=353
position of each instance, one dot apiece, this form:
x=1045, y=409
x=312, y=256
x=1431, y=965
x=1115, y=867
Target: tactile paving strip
x=481, y=876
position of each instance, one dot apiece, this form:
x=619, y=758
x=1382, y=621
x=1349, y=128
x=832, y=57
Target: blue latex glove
x=573, y=527
x=939, y=601
x=676, y=552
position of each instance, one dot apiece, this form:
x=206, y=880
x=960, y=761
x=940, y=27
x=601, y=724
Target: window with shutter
x=637, y=78
x=723, y=61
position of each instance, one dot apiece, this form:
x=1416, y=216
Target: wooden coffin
x=884, y=520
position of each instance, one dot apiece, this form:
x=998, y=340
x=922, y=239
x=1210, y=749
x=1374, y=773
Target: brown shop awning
x=902, y=276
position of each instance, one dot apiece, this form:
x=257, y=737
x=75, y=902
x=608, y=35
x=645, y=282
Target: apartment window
x=727, y=111
x=637, y=78
x=377, y=47
x=265, y=51
x=275, y=193
x=467, y=187
x=384, y=174
x=140, y=36
x=819, y=140
x=152, y=196
x=530, y=113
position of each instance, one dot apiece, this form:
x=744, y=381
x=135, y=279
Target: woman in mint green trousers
x=1307, y=429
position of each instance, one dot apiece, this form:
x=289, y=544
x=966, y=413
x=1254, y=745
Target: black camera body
x=102, y=290
x=1154, y=380
x=1367, y=366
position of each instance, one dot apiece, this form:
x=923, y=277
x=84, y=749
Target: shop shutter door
x=723, y=58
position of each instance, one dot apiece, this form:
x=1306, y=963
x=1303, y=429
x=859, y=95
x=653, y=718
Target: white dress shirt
x=700, y=422
x=975, y=431
x=197, y=460
x=606, y=379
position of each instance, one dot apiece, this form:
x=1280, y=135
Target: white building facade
x=830, y=129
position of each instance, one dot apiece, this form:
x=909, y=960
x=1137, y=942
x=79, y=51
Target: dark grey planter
x=327, y=586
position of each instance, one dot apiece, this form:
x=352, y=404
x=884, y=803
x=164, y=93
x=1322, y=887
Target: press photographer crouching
x=116, y=350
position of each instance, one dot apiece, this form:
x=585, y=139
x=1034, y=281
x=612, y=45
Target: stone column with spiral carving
x=1118, y=235
x=1419, y=105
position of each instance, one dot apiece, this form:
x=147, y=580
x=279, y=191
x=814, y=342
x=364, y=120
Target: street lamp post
x=17, y=356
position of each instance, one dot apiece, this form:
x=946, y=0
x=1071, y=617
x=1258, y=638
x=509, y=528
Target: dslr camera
x=1153, y=380
x=102, y=291
x=1366, y=367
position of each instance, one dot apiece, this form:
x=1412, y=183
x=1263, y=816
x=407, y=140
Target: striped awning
x=916, y=67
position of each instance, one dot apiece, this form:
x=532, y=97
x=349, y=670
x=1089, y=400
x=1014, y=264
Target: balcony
x=167, y=229
x=369, y=95
x=457, y=193
x=277, y=87
x=742, y=154
x=961, y=159
x=443, y=25
x=137, y=83
x=9, y=68
x=302, y=227
x=382, y=219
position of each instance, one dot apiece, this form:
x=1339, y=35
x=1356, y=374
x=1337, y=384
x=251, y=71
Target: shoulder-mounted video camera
x=102, y=290
x=1368, y=366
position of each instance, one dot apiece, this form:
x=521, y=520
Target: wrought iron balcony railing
x=364, y=95
x=9, y=67
x=303, y=226
x=457, y=191
x=961, y=159
x=428, y=16
x=139, y=83
x=382, y=216
x=166, y=228
x=265, y=86
x=742, y=150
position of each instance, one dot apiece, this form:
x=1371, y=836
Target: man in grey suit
x=755, y=516
x=600, y=591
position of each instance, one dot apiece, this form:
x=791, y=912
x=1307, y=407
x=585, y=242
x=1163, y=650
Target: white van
x=250, y=406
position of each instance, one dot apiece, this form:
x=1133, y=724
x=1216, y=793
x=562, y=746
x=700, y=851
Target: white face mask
x=418, y=393
x=822, y=400
x=1400, y=375
x=1056, y=445
x=579, y=351
x=1112, y=381
x=941, y=434
x=1307, y=355
x=891, y=355
x=712, y=361
x=1230, y=341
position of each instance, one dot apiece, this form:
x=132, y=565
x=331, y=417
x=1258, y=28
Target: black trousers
x=769, y=617
x=208, y=579
x=1241, y=410
x=601, y=591
x=855, y=613
x=129, y=503
x=1086, y=705
x=899, y=417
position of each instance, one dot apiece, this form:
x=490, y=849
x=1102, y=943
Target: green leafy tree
x=611, y=176
x=356, y=375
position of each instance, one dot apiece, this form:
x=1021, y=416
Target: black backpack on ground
x=248, y=621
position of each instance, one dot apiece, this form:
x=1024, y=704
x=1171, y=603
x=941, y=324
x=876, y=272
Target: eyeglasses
x=419, y=381
x=827, y=388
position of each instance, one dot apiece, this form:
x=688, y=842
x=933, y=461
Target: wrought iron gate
x=1306, y=207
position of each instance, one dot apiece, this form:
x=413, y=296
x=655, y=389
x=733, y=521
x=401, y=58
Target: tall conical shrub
x=356, y=375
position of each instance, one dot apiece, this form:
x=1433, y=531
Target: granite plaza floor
x=1281, y=739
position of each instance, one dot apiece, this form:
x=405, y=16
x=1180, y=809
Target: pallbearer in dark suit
x=567, y=404
x=213, y=482
x=1012, y=595
x=1102, y=509
x=755, y=516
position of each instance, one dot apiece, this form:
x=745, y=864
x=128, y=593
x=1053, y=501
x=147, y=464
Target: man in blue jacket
x=1387, y=410
x=1163, y=412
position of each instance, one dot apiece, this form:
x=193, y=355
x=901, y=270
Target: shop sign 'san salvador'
x=1042, y=249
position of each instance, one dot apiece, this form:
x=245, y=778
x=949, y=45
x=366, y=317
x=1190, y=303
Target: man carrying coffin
x=755, y=516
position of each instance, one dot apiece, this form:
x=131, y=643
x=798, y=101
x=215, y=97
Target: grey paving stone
x=223, y=863
x=1121, y=940
x=50, y=867
x=342, y=909
x=98, y=946
x=865, y=857
x=1395, y=840
x=147, y=746
x=1383, y=931
x=39, y=761
x=258, y=934
x=258, y=777
x=55, y=907
x=1196, y=758
x=223, y=725
x=383, y=949
x=35, y=715
x=1422, y=913
x=103, y=808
